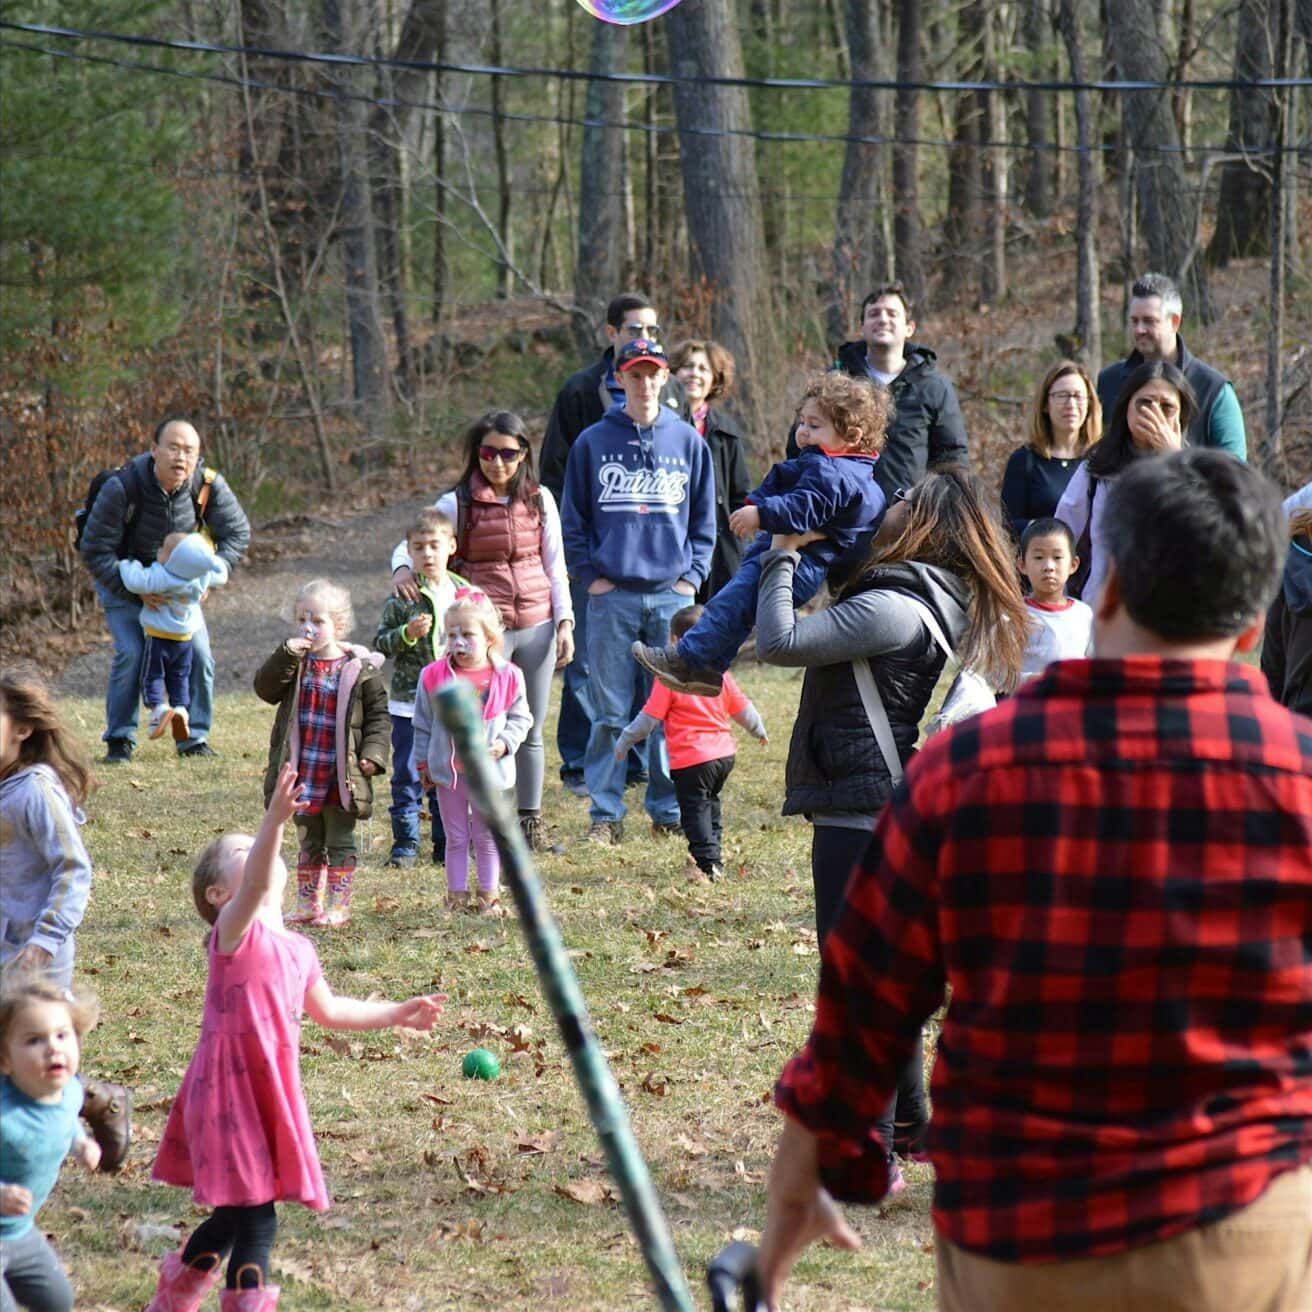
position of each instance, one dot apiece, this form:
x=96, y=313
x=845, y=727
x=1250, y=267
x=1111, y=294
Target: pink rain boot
x=311, y=875
x=260, y=1299
x=183, y=1288
x=337, y=910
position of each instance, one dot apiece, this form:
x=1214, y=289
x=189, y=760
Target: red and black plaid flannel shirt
x=1113, y=871
x=317, y=721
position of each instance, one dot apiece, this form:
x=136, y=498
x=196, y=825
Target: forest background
x=333, y=232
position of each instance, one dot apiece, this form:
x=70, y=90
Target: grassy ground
x=450, y=1193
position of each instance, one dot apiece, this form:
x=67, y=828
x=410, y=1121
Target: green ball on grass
x=480, y=1064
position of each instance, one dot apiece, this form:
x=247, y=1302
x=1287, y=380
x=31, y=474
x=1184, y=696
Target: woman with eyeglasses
x=706, y=371
x=1152, y=414
x=508, y=543
x=1065, y=421
x=940, y=547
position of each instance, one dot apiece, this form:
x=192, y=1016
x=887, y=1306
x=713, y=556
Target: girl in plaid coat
x=332, y=727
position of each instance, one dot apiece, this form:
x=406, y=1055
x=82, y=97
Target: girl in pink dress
x=239, y=1132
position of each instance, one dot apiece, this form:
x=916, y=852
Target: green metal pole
x=461, y=714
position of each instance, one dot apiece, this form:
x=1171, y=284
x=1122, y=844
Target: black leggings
x=834, y=852
x=247, y=1232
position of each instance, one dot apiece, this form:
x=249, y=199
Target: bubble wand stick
x=458, y=709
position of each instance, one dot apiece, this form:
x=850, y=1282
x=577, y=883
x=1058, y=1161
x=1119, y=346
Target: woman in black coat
x=1064, y=422
x=705, y=369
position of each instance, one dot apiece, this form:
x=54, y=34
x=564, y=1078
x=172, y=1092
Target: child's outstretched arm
x=239, y=910
x=325, y=1008
x=636, y=731
x=750, y=719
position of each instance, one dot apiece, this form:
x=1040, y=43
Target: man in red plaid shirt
x=1113, y=871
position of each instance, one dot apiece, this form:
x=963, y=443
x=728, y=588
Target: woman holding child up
x=508, y=544
x=941, y=548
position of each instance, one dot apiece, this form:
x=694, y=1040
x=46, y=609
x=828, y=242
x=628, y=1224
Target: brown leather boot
x=107, y=1109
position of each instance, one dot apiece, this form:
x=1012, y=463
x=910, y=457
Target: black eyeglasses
x=507, y=455
x=901, y=494
x=642, y=329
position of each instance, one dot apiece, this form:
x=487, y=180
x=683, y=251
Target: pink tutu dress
x=239, y=1131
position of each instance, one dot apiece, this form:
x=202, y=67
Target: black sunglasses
x=901, y=494
x=643, y=329
x=505, y=454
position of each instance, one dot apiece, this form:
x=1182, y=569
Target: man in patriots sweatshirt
x=638, y=519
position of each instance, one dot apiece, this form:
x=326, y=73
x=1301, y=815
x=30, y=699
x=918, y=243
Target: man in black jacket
x=582, y=401
x=159, y=492
x=927, y=428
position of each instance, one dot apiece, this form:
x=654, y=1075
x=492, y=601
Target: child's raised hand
x=15, y=1200
x=745, y=521
x=286, y=796
x=87, y=1152
x=420, y=1013
x=298, y=646
x=420, y=625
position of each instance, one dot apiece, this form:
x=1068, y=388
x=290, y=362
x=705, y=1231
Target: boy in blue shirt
x=828, y=489
x=638, y=522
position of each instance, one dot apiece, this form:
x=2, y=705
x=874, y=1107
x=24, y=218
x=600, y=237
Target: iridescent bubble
x=627, y=11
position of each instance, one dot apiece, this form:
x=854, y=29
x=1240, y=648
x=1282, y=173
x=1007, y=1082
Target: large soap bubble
x=627, y=11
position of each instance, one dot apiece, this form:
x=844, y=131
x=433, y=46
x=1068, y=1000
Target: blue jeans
x=574, y=726
x=616, y=620
x=123, y=616
x=166, y=672
x=730, y=615
x=407, y=793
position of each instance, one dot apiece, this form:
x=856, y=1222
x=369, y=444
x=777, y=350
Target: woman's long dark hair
x=523, y=483
x=1116, y=448
x=951, y=524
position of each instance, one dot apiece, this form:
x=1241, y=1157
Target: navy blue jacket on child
x=817, y=489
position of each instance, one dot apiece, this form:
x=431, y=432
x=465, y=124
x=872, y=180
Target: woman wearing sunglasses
x=508, y=543
x=942, y=550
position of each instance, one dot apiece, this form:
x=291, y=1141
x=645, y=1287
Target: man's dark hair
x=622, y=304
x=1046, y=528
x=1159, y=285
x=1199, y=542
x=889, y=289
x=177, y=417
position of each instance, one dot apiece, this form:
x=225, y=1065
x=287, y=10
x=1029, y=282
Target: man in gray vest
x=1155, y=309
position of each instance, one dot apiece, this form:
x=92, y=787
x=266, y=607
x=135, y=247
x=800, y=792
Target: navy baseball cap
x=641, y=348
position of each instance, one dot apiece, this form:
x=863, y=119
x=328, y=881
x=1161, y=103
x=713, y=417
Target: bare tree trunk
x=860, y=256
x=369, y=390
x=505, y=277
x=1269, y=447
x=1039, y=171
x=908, y=239
x=1088, y=320
x=601, y=193
x=1169, y=210
x=1182, y=100
x=720, y=184
x=1243, y=211
x=993, y=270
x=964, y=222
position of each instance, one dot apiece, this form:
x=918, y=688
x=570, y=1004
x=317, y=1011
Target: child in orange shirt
x=701, y=749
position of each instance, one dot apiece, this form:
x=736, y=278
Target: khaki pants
x=1258, y=1259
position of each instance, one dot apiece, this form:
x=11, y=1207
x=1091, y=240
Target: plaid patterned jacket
x=1113, y=872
